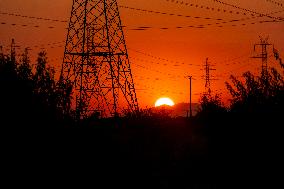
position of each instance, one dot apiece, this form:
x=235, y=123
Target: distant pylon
x=208, y=76
x=96, y=60
x=263, y=56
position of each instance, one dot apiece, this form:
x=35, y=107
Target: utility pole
x=190, y=102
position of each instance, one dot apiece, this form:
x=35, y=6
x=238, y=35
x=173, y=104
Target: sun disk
x=164, y=101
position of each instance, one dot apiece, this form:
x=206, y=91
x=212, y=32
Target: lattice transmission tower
x=96, y=60
x=263, y=56
x=208, y=79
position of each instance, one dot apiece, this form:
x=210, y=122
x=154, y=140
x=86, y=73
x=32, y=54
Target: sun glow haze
x=164, y=101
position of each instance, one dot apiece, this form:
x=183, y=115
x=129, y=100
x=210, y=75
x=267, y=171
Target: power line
x=32, y=17
x=202, y=26
x=250, y=18
x=219, y=23
x=143, y=60
x=145, y=28
x=126, y=7
x=253, y=13
x=248, y=10
x=238, y=68
x=235, y=69
x=142, y=28
x=144, y=10
x=170, y=14
x=159, y=58
x=196, y=17
x=275, y=2
x=43, y=46
x=25, y=25
x=206, y=7
x=153, y=70
x=226, y=62
x=173, y=76
x=149, y=11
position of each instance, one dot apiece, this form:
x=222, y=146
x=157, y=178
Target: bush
x=211, y=106
x=32, y=98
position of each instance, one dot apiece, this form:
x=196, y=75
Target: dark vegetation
x=43, y=144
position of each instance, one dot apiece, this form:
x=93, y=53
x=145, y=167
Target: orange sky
x=228, y=47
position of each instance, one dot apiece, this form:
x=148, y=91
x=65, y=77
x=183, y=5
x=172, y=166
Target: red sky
x=228, y=47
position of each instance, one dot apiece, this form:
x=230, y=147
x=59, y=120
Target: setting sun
x=164, y=101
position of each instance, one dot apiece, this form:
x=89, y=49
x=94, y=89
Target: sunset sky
x=181, y=36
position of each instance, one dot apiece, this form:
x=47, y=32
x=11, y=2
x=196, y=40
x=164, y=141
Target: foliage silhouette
x=32, y=98
x=248, y=133
x=256, y=95
x=211, y=106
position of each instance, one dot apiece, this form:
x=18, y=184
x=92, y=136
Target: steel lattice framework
x=96, y=60
x=208, y=78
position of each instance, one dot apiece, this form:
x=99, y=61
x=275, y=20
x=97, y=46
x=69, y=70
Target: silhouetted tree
x=256, y=94
x=211, y=106
x=278, y=57
x=24, y=69
x=64, y=91
x=32, y=98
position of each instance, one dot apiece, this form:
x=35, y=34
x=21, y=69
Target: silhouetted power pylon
x=263, y=56
x=208, y=76
x=96, y=60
